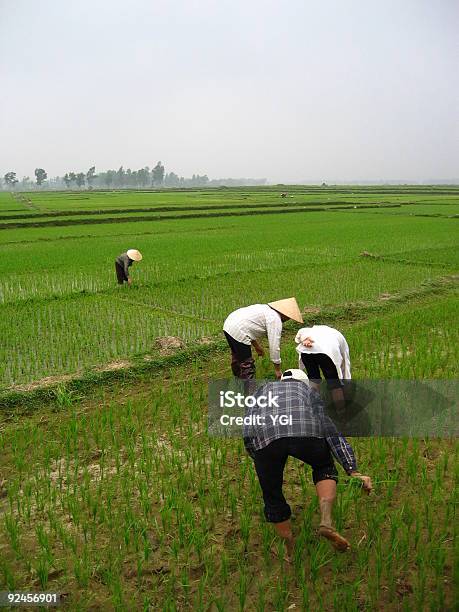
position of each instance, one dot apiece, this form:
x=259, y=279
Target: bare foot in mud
x=337, y=540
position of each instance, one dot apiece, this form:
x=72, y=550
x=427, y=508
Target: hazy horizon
x=338, y=92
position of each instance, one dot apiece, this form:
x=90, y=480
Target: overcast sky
x=287, y=89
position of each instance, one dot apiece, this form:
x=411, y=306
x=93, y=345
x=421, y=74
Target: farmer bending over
x=307, y=434
x=323, y=348
x=122, y=264
x=244, y=326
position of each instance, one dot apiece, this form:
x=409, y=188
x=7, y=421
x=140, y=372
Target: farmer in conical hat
x=296, y=425
x=244, y=326
x=122, y=264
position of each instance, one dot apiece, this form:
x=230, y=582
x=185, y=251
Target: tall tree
x=120, y=176
x=91, y=176
x=157, y=174
x=67, y=180
x=108, y=177
x=40, y=176
x=143, y=176
x=80, y=178
x=172, y=180
x=10, y=179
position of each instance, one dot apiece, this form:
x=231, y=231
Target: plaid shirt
x=303, y=415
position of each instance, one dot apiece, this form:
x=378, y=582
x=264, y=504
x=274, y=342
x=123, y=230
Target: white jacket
x=329, y=341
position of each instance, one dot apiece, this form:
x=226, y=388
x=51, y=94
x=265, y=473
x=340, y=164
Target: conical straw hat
x=134, y=254
x=289, y=308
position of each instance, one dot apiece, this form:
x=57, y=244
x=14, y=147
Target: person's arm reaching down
x=344, y=454
x=346, y=360
x=274, y=332
x=258, y=348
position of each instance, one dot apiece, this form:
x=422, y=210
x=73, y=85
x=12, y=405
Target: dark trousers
x=315, y=362
x=270, y=462
x=242, y=362
x=120, y=273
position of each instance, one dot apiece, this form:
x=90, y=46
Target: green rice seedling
x=64, y=398
x=281, y=593
x=320, y=556
x=199, y=599
x=42, y=570
x=43, y=539
x=261, y=598
x=245, y=523
x=305, y=592
x=8, y=575
x=242, y=586
x=219, y=603
x=437, y=599
x=185, y=583
x=224, y=567
x=267, y=542
x=12, y=528
x=117, y=592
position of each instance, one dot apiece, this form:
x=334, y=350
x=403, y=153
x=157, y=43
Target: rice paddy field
x=113, y=494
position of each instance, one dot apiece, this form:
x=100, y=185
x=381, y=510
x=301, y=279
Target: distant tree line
x=10, y=179
x=119, y=179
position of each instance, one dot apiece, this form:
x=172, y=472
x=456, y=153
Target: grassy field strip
x=84, y=330
x=327, y=224
x=75, y=337
x=179, y=212
x=179, y=208
x=51, y=269
x=31, y=289
x=339, y=315
x=25, y=201
x=129, y=231
x=166, y=310
x=361, y=323
x=58, y=202
x=127, y=198
x=413, y=206
x=202, y=299
x=427, y=209
x=410, y=262
x=182, y=215
x=422, y=207
x=433, y=214
x=8, y=202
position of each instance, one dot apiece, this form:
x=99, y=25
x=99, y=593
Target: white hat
x=295, y=374
x=289, y=308
x=134, y=254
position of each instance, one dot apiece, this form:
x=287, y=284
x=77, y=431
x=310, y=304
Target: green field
x=62, y=310
x=114, y=494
